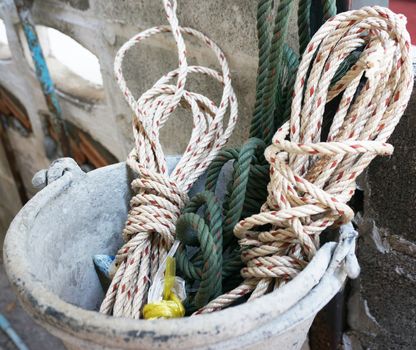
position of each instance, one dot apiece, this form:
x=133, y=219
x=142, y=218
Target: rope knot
x=299, y=206
x=155, y=207
x=160, y=195
x=311, y=181
x=170, y=306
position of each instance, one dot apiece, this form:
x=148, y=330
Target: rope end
x=171, y=305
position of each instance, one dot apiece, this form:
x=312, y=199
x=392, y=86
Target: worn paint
x=43, y=75
x=105, y=264
x=6, y=327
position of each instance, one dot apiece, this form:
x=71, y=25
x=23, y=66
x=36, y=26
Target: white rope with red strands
x=159, y=196
x=311, y=181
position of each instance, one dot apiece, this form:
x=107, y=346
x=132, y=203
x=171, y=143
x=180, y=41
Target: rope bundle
x=311, y=180
x=216, y=263
x=213, y=268
x=159, y=196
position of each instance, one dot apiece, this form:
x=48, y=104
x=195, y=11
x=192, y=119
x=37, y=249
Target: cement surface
x=35, y=337
x=387, y=249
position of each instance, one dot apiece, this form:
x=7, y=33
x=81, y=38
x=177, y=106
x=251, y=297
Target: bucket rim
x=62, y=316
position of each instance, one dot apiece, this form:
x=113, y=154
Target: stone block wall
x=382, y=307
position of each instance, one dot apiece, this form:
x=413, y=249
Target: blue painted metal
x=105, y=264
x=6, y=327
x=43, y=75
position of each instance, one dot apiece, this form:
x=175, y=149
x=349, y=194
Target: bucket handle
x=345, y=252
x=55, y=171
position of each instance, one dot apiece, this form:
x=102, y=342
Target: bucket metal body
x=48, y=258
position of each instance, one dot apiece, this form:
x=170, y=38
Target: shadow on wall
x=87, y=152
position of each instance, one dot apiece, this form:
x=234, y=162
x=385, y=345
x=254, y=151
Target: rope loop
x=247, y=164
x=247, y=188
x=206, y=224
x=313, y=170
x=154, y=191
x=202, y=216
x=159, y=196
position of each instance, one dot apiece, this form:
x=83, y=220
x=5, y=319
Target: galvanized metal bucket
x=48, y=258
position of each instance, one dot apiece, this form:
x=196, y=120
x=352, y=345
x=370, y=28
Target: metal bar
x=43, y=75
x=11, y=333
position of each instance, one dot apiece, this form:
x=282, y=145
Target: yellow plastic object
x=171, y=306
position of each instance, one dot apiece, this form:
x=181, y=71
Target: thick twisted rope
x=247, y=189
x=311, y=181
x=208, y=226
x=264, y=11
x=160, y=196
x=276, y=52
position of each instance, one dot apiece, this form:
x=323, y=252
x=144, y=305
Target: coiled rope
x=247, y=190
x=311, y=180
x=159, y=196
x=213, y=268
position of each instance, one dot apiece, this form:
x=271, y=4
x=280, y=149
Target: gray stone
x=359, y=316
x=35, y=337
x=392, y=180
x=382, y=304
x=78, y=4
x=387, y=250
x=387, y=285
x=399, y=244
x=350, y=341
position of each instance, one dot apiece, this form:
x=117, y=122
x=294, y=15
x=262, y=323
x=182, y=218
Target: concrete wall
x=102, y=27
x=356, y=4
x=382, y=309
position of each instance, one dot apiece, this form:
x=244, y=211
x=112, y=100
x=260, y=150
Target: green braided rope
x=239, y=185
x=278, y=40
x=264, y=10
x=329, y=9
x=217, y=258
x=208, y=229
x=216, y=166
x=284, y=93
